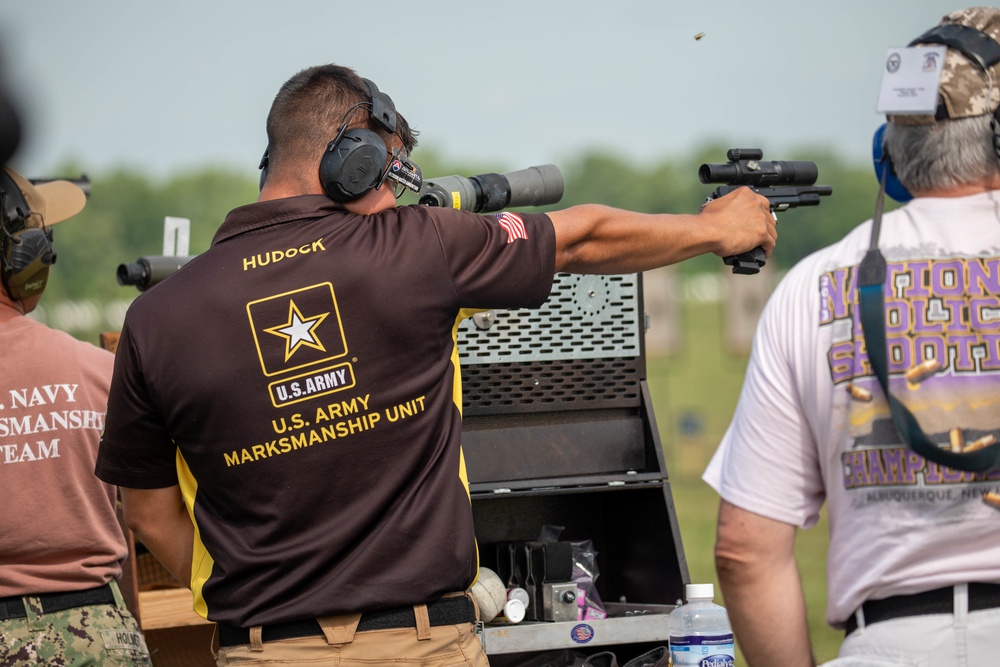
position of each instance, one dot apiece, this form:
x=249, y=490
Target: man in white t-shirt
x=914, y=558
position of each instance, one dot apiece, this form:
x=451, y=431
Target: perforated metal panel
x=585, y=317
x=580, y=350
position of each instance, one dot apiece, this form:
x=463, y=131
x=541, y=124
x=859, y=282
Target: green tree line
x=125, y=212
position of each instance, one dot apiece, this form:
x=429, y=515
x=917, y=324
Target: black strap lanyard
x=871, y=285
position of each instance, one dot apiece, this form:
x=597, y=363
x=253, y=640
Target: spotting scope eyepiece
x=147, y=271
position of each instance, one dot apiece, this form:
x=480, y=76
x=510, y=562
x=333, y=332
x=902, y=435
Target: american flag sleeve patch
x=514, y=226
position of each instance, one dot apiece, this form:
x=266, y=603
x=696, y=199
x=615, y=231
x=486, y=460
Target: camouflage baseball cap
x=965, y=85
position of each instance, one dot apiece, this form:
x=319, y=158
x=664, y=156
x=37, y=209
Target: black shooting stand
x=559, y=431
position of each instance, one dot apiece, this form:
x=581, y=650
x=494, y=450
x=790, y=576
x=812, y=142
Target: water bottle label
x=703, y=651
x=701, y=640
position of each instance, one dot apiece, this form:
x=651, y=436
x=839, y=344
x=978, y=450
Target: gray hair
x=944, y=155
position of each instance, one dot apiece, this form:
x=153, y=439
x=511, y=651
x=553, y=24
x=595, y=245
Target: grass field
x=694, y=393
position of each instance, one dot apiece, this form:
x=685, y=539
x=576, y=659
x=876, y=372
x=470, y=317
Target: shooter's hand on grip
x=747, y=228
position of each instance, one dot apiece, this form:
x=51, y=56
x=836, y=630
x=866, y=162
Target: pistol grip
x=747, y=263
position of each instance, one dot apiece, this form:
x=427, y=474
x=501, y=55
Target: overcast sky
x=167, y=86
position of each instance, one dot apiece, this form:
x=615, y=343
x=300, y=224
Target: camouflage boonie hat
x=964, y=84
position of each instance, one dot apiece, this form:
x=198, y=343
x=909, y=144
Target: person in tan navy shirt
x=61, y=546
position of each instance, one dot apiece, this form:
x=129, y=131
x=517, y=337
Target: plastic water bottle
x=700, y=634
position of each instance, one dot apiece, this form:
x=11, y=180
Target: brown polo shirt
x=300, y=381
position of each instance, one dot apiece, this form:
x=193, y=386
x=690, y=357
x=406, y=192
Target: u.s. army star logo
x=297, y=329
x=298, y=335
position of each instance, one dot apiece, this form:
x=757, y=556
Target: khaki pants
x=343, y=646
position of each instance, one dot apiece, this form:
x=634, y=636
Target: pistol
x=786, y=184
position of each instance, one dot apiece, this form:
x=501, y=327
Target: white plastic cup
x=513, y=611
x=519, y=594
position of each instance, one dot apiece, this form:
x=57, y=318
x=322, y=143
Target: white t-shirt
x=812, y=423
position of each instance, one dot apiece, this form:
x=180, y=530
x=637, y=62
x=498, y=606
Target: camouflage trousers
x=91, y=636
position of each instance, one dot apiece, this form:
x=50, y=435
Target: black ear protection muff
x=357, y=160
x=979, y=48
x=25, y=252
x=263, y=169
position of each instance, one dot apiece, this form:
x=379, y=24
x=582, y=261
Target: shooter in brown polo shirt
x=285, y=412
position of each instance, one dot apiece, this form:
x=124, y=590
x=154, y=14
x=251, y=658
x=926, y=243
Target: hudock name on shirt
x=274, y=256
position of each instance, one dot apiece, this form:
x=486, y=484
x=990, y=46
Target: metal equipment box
x=558, y=430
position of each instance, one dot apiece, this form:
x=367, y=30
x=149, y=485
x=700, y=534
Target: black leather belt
x=937, y=601
x=446, y=611
x=13, y=607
